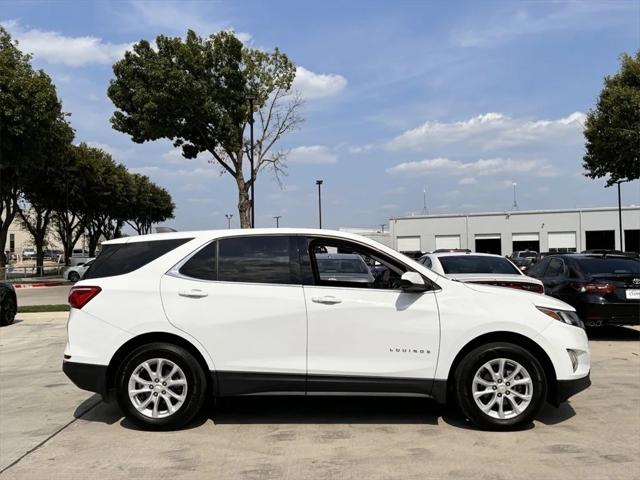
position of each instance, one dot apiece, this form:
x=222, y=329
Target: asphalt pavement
x=51, y=429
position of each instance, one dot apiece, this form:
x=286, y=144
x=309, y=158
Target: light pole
x=229, y=217
x=620, y=214
x=382, y=225
x=319, y=183
x=253, y=179
x=515, y=198
x=278, y=217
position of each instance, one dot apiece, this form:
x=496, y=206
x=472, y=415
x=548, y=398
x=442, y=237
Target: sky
x=461, y=99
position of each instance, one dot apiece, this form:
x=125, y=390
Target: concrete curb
x=40, y=285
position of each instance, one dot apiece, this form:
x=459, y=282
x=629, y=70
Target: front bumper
x=87, y=376
x=568, y=388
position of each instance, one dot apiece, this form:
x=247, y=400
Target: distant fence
x=13, y=272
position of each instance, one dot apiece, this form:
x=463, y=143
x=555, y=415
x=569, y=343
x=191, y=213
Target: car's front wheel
x=74, y=277
x=500, y=386
x=161, y=386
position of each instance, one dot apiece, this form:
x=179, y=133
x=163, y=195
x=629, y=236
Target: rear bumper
x=610, y=313
x=87, y=376
x=568, y=388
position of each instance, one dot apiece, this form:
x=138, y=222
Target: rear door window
x=203, y=265
x=556, y=268
x=121, y=258
x=259, y=259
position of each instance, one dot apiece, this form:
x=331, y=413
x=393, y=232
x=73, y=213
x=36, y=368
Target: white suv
x=161, y=322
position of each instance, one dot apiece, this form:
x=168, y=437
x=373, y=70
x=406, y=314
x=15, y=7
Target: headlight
x=570, y=318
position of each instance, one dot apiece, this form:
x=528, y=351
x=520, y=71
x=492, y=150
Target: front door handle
x=328, y=300
x=192, y=293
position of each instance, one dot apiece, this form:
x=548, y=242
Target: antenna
x=515, y=198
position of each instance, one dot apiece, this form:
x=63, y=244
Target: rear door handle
x=328, y=300
x=192, y=293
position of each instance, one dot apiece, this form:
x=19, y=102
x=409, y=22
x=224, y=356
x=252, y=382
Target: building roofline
x=516, y=212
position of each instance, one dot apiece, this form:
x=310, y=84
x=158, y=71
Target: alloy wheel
x=157, y=388
x=502, y=388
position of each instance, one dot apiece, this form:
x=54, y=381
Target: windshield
x=604, y=265
x=342, y=265
x=477, y=264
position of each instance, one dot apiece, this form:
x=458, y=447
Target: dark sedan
x=604, y=289
x=8, y=304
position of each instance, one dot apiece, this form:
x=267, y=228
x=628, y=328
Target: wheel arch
x=153, y=337
x=443, y=391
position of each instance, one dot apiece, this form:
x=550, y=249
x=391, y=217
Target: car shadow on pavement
x=613, y=333
x=325, y=410
x=317, y=410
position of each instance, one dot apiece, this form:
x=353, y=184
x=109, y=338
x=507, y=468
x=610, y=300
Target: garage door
x=525, y=237
x=447, y=241
x=562, y=241
x=409, y=244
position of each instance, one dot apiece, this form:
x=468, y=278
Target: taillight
x=595, y=287
x=80, y=296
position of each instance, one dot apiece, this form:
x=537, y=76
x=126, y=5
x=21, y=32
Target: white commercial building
x=566, y=230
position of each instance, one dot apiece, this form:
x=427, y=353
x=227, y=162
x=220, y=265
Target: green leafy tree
x=31, y=123
x=151, y=204
x=195, y=92
x=612, y=130
x=40, y=188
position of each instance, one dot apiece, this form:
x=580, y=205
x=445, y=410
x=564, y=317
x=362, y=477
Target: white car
x=481, y=268
x=162, y=322
x=76, y=272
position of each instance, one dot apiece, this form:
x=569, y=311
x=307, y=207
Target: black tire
x=471, y=364
x=74, y=277
x=196, y=386
x=8, y=310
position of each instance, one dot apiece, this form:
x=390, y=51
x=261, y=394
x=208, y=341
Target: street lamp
x=278, y=217
x=229, y=217
x=319, y=183
x=253, y=179
x=620, y=214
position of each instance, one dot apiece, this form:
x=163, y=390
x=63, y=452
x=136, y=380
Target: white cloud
x=155, y=171
x=177, y=18
x=174, y=156
x=492, y=131
x=54, y=47
x=467, y=181
x=118, y=154
x=482, y=167
x=312, y=154
x=318, y=85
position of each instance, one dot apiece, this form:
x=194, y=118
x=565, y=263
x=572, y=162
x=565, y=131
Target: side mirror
x=413, y=282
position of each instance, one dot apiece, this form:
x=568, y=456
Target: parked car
x=162, y=321
x=28, y=253
x=604, y=289
x=344, y=267
x=8, y=304
x=523, y=254
x=481, y=268
x=523, y=263
x=75, y=273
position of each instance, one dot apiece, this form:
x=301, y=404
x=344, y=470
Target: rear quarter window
x=121, y=258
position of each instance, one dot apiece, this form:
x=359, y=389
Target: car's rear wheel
x=500, y=386
x=8, y=310
x=161, y=386
x=74, y=276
